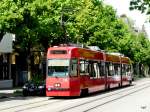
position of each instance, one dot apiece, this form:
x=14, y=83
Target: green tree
x=35, y=22
x=142, y=5
x=95, y=24
x=40, y=23
x=18, y=17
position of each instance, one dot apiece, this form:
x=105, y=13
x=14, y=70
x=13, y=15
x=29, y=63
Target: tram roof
x=79, y=52
x=93, y=54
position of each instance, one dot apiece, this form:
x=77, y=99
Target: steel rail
x=142, y=86
x=139, y=88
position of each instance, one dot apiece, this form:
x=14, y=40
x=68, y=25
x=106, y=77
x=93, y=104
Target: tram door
x=97, y=74
x=110, y=73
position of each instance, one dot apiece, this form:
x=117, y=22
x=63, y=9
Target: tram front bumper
x=61, y=92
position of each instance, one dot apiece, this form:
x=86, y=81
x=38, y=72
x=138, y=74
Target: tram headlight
x=57, y=84
x=49, y=89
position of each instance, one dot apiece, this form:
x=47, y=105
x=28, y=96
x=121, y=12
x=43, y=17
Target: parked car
x=34, y=89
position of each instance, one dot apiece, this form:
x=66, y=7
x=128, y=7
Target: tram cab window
x=58, y=67
x=74, y=67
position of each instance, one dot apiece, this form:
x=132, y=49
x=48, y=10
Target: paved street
x=128, y=99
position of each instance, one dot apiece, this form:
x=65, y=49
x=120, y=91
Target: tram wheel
x=84, y=92
x=119, y=85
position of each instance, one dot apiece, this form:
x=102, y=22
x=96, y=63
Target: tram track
x=41, y=103
x=28, y=104
x=44, y=104
x=140, y=88
x=115, y=99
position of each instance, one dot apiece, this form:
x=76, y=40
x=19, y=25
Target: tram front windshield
x=58, y=67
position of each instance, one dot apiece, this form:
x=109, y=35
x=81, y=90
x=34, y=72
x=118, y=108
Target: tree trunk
x=146, y=71
x=29, y=68
x=29, y=61
x=1, y=35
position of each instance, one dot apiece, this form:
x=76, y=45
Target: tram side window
x=101, y=68
x=123, y=69
x=84, y=67
x=117, y=69
x=107, y=68
x=94, y=70
x=111, y=69
x=90, y=68
x=73, y=68
x=128, y=69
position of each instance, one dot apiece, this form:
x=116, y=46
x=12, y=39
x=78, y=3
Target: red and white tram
x=72, y=71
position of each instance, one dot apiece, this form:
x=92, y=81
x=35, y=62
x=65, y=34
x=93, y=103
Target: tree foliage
x=142, y=5
x=40, y=23
x=136, y=46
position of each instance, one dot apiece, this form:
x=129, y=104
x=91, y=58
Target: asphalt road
x=134, y=98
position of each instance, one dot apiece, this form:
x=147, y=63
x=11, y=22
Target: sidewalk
x=12, y=92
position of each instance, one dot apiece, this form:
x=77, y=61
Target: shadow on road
x=13, y=95
x=17, y=95
x=91, y=94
